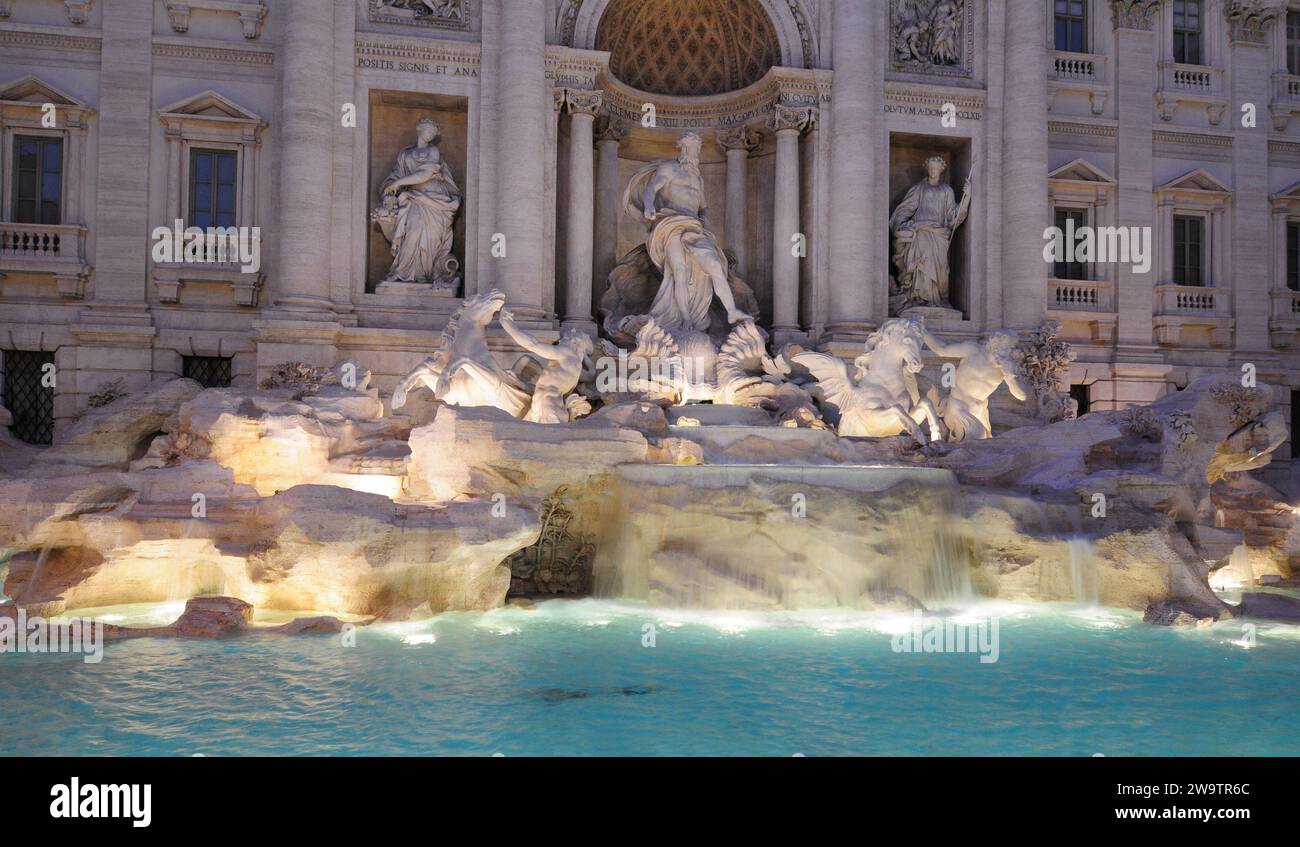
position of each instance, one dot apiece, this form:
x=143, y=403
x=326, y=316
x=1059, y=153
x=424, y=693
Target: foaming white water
x=1083, y=571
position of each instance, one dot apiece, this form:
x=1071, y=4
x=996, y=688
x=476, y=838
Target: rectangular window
x=26, y=391
x=1187, y=32
x=38, y=180
x=1075, y=269
x=1189, y=250
x=1293, y=43
x=212, y=188
x=1072, y=25
x=1082, y=395
x=207, y=371
x=1293, y=255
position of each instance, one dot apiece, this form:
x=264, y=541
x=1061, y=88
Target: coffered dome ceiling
x=688, y=47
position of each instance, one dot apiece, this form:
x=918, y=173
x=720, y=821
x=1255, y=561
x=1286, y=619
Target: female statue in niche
x=923, y=225
x=418, y=208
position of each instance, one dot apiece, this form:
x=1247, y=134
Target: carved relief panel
x=446, y=14
x=932, y=36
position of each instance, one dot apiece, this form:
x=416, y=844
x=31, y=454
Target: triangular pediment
x=31, y=89
x=1081, y=170
x=1197, y=180
x=210, y=104
x=1292, y=193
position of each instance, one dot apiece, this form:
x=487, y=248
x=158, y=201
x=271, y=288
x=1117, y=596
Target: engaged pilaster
x=525, y=106
x=1249, y=34
x=858, y=271
x=610, y=133
x=582, y=107
x=307, y=118
x=1024, y=171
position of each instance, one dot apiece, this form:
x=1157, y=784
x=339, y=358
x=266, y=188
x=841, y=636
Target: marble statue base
x=416, y=289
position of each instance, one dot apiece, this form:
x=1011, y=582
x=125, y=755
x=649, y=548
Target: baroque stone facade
x=816, y=118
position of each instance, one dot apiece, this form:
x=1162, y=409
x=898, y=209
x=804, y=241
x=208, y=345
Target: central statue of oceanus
x=669, y=196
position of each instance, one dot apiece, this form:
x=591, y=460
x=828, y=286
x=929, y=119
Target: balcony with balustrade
x=1284, y=321
x=1286, y=100
x=1085, y=309
x=1079, y=73
x=57, y=250
x=1191, y=86
x=1193, y=315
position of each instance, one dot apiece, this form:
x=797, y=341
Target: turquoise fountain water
x=577, y=678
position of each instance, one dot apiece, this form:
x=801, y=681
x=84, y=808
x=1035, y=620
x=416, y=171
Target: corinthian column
x=306, y=134
x=609, y=134
x=1024, y=173
x=738, y=142
x=787, y=124
x=582, y=107
x=858, y=272
x=525, y=106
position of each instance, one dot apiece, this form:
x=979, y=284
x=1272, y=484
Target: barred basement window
x=207, y=371
x=24, y=394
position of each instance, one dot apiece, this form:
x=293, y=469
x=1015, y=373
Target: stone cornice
x=779, y=87
x=192, y=50
x=1200, y=139
x=48, y=38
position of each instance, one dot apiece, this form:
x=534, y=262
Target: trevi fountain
x=651, y=497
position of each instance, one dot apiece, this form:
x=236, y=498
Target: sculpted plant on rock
x=560, y=561
x=107, y=393
x=300, y=378
x=1044, y=360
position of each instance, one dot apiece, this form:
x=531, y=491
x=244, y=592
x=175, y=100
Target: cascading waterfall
x=782, y=537
x=1083, y=571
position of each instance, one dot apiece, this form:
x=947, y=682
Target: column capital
x=611, y=129
x=577, y=101
x=1134, y=14
x=1249, y=21
x=788, y=118
x=738, y=138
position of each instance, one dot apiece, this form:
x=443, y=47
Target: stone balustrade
x=1202, y=79
x=1078, y=67
x=1193, y=300
x=56, y=249
x=41, y=243
x=1079, y=295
